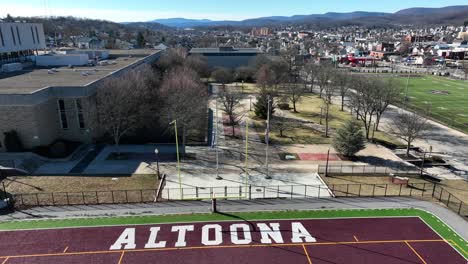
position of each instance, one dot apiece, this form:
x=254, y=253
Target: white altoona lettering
x=235, y=234
x=218, y=237
x=300, y=233
x=127, y=238
x=152, y=239
x=270, y=233
x=182, y=231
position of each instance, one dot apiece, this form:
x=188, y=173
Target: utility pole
x=267, y=138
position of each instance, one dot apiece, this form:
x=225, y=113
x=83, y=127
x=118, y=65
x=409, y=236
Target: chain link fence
x=364, y=170
x=426, y=191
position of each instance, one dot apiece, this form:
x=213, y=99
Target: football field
x=333, y=236
x=443, y=99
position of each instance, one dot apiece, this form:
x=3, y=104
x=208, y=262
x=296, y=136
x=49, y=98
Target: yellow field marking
x=65, y=250
x=214, y=247
x=457, y=246
x=415, y=252
x=121, y=256
x=355, y=238
x=307, y=254
x=5, y=261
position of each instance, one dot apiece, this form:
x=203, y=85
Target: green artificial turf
x=449, y=107
x=443, y=230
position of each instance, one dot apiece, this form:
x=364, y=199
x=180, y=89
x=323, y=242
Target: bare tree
x=341, y=81
x=185, y=99
x=265, y=77
x=409, y=126
x=328, y=93
x=324, y=77
x=231, y=103
x=244, y=73
x=280, y=122
x=199, y=64
x=170, y=59
x=363, y=101
x=310, y=72
x=293, y=93
x=118, y=106
x=389, y=92
x=222, y=76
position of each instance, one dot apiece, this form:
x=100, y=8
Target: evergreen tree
x=140, y=40
x=349, y=139
x=261, y=106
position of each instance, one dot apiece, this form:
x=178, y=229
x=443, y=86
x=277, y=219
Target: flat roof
x=218, y=50
x=33, y=79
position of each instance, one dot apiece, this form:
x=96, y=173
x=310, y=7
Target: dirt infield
x=318, y=241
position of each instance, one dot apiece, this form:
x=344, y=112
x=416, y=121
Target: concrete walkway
x=186, y=207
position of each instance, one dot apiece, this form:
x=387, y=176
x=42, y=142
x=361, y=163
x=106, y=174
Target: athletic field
x=319, y=237
x=443, y=99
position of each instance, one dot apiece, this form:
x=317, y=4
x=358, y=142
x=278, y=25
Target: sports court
x=318, y=241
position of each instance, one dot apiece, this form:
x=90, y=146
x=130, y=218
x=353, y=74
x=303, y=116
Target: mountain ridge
x=418, y=15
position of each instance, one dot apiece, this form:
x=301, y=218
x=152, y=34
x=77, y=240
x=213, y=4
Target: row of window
x=63, y=115
x=16, y=36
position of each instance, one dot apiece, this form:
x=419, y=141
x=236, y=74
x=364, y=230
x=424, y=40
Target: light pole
x=178, y=159
x=267, y=138
x=326, y=166
x=250, y=100
x=246, y=155
x=216, y=144
x=156, y=151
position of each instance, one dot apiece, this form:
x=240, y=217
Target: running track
x=351, y=241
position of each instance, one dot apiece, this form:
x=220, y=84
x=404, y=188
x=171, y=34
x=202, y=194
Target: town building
x=19, y=40
x=45, y=104
x=227, y=57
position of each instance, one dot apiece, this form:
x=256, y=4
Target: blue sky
x=144, y=10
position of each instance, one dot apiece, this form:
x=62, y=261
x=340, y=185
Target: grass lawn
x=446, y=100
x=297, y=134
x=459, y=188
x=47, y=184
x=309, y=109
x=443, y=230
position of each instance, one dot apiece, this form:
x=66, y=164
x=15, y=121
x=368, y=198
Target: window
x=37, y=36
x=17, y=33
x=13, y=36
x=1, y=37
x=79, y=112
x=62, y=114
x=32, y=34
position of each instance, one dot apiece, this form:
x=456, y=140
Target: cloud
x=110, y=14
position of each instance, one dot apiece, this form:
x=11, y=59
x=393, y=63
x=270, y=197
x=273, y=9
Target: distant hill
x=444, y=15
x=183, y=22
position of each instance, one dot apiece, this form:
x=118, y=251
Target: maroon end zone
x=318, y=241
